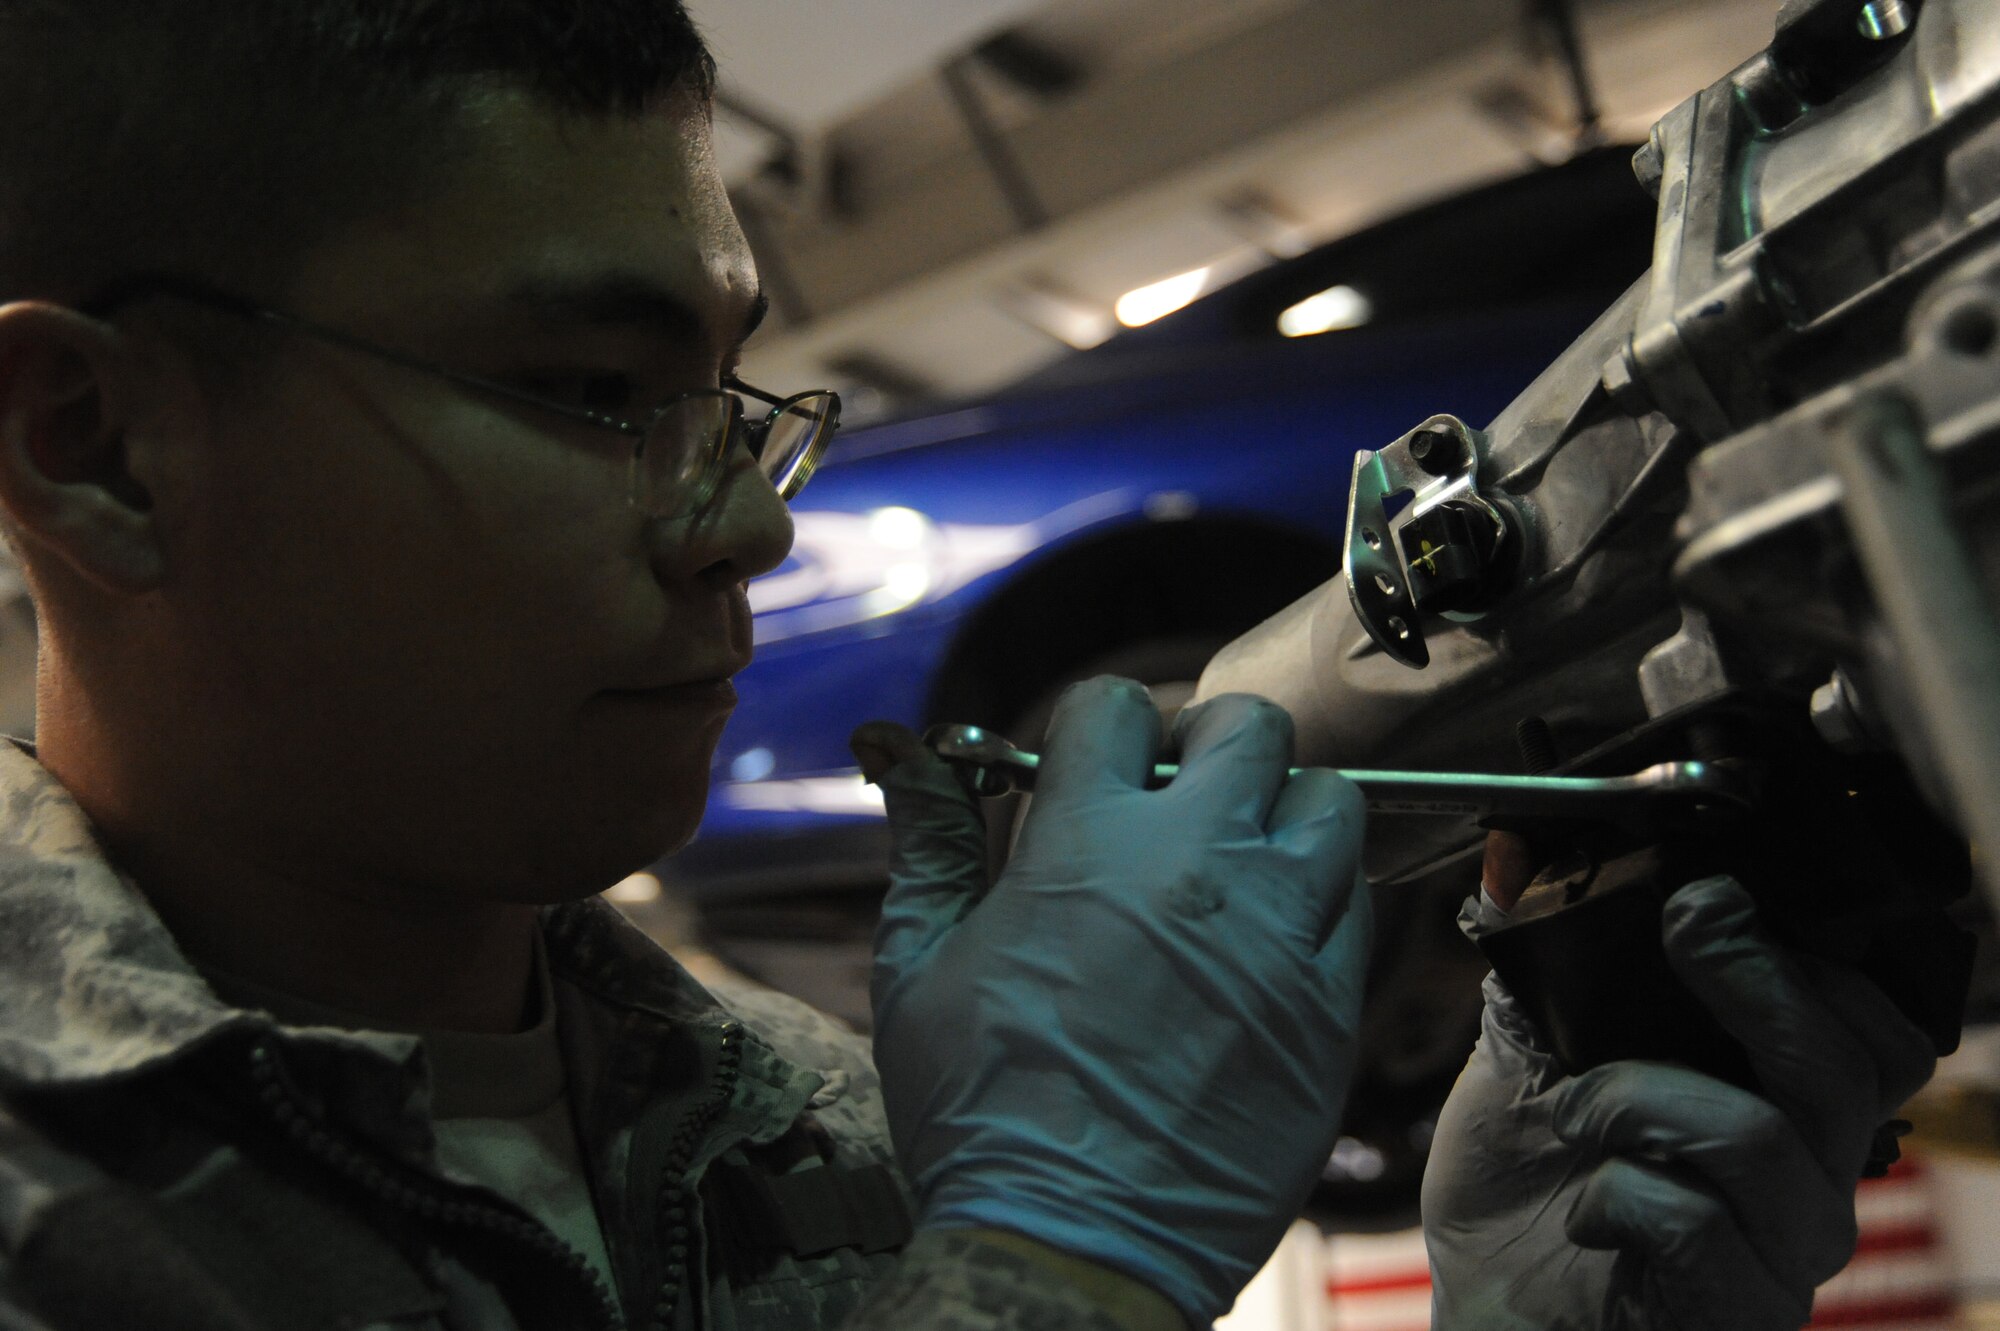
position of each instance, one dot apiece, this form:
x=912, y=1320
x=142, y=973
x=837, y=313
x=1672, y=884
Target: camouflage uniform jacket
x=170, y=1162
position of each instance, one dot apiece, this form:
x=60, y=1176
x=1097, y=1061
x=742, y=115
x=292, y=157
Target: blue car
x=1129, y=512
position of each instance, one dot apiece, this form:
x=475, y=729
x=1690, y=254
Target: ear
x=66, y=385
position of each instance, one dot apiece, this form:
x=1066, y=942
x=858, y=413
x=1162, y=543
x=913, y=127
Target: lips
x=685, y=678
x=719, y=692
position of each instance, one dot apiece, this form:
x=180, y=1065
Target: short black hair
x=222, y=138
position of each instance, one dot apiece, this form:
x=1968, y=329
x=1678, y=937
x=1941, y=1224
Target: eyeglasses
x=680, y=446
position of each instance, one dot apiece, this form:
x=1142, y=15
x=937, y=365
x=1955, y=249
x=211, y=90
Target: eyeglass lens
x=795, y=433
x=679, y=461
x=674, y=469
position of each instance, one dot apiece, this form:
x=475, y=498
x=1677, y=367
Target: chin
x=617, y=848
x=551, y=878
x=675, y=827
x=611, y=807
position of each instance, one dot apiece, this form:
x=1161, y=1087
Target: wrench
x=995, y=767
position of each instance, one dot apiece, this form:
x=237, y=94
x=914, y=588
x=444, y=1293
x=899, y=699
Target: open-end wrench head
x=991, y=764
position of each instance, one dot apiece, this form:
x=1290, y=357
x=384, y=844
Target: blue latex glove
x=1645, y=1195
x=1135, y=1046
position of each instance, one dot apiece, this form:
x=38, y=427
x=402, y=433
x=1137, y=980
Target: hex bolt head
x=1836, y=719
x=1649, y=166
x=1436, y=451
x=1620, y=378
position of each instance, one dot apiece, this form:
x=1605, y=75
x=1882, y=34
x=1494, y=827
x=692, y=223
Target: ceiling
x=933, y=223
x=808, y=66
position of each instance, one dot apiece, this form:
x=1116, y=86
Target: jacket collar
x=93, y=987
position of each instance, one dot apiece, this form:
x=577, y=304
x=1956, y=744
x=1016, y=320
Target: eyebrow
x=625, y=299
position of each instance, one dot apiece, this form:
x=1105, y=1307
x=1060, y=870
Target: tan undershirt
x=499, y=1108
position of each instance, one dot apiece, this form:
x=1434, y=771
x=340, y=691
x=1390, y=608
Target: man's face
x=419, y=633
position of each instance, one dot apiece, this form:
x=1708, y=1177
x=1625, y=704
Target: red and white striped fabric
x=1901, y=1278
x=1378, y=1282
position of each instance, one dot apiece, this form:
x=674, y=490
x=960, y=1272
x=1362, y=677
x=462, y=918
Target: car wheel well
x=1214, y=577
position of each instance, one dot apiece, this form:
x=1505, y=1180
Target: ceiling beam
x=1148, y=168
x=1115, y=135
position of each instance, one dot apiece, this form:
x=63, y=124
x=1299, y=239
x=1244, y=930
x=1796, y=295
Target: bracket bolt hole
x=1398, y=627
x=1971, y=330
x=1373, y=540
x=1388, y=586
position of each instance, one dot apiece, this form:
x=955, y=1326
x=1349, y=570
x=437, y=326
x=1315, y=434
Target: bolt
x=1537, y=745
x=1883, y=19
x=1837, y=718
x=1621, y=381
x=1649, y=164
x=1435, y=451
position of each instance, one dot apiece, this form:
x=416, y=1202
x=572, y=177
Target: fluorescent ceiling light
x=1058, y=314
x=1136, y=309
x=1337, y=307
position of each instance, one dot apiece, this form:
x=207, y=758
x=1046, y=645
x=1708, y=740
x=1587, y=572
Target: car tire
x=1169, y=667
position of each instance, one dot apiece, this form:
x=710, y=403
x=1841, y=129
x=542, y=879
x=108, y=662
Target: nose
x=743, y=531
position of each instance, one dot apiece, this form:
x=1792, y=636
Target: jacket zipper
x=678, y=1200
x=413, y=1193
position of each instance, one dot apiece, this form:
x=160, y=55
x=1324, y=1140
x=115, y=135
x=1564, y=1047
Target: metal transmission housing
x=1766, y=481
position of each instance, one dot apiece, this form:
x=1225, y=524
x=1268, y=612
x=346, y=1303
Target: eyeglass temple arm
x=736, y=385
x=146, y=287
